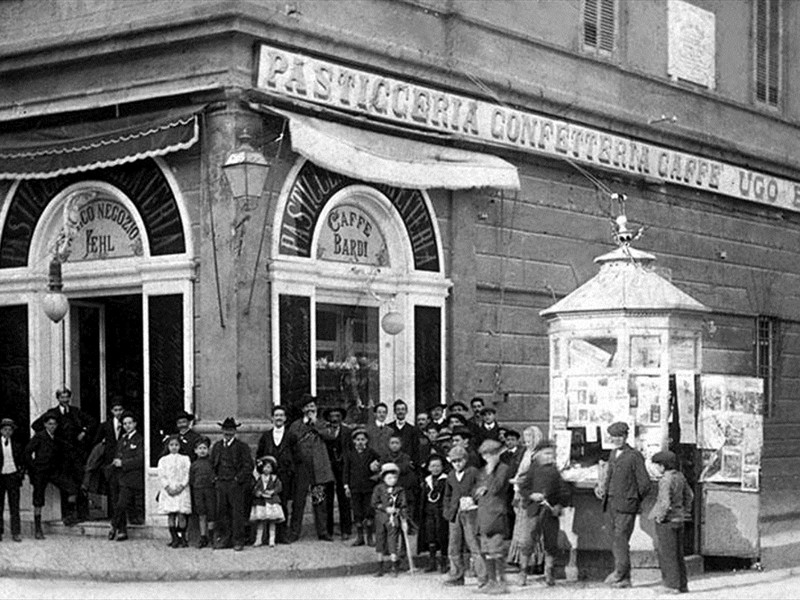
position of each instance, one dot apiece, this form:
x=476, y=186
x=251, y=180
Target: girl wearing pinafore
x=175, y=498
x=267, y=510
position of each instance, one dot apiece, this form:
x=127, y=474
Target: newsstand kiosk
x=627, y=346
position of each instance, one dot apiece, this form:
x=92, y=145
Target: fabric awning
x=393, y=160
x=74, y=148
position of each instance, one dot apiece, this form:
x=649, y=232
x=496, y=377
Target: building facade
x=440, y=171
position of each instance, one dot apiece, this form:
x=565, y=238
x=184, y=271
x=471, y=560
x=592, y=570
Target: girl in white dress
x=175, y=498
x=267, y=510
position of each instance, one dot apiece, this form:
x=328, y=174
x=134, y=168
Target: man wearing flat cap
x=339, y=440
x=233, y=472
x=312, y=468
x=12, y=471
x=625, y=485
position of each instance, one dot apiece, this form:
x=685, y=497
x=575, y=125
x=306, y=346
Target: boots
x=522, y=577
x=491, y=577
x=369, y=528
x=432, y=565
x=272, y=536
x=359, y=536
x=444, y=563
x=395, y=568
x=203, y=541
x=381, y=570
x=37, y=523
x=549, y=577
x=173, y=534
x=180, y=532
x=71, y=516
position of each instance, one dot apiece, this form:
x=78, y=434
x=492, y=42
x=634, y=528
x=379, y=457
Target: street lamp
x=55, y=303
x=246, y=171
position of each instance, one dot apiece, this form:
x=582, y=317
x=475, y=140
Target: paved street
x=783, y=583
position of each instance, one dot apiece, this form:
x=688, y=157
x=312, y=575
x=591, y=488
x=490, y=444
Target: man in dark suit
x=129, y=463
x=312, y=467
x=625, y=485
x=233, y=469
x=489, y=429
x=378, y=430
x=45, y=456
x=409, y=437
x=76, y=431
x=339, y=441
x=187, y=437
x=275, y=442
x=12, y=471
x=108, y=434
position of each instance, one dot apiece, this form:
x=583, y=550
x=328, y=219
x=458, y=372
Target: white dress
x=173, y=469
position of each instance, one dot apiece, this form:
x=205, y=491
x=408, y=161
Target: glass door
x=347, y=358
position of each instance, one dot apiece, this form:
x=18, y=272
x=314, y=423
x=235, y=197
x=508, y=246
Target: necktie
x=119, y=431
x=5, y=443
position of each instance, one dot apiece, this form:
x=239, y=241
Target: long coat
x=309, y=450
x=626, y=482
x=130, y=450
x=492, y=507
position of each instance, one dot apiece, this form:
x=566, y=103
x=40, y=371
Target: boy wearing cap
x=672, y=509
x=625, y=485
x=489, y=430
x=361, y=467
x=12, y=471
x=460, y=510
x=204, y=496
x=544, y=494
x=389, y=503
x=491, y=494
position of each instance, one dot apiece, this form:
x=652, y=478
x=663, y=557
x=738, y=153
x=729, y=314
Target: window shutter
x=767, y=51
x=599, y=25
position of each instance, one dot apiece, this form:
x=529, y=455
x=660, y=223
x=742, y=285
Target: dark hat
x=464, y=432
x=433, y=407
x=229, y=423
x=490, y=447
x=666, y=458
x=116, y=401
x=184, y=415
x=459, y=418
x=203, y=440
x=328, y=411
x=307, y=399
x=8, y=423
x=434, y=456
x=458, y=403
x=489, y=410
x=511, y=433
x=359, y=431
x=543, y=443
x=620, y=428
x=444, y=435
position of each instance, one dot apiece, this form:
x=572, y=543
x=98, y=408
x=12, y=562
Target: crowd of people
x=477, y=497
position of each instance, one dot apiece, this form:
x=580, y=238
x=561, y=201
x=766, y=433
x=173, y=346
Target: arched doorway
x=359, y=292
x=128, y=277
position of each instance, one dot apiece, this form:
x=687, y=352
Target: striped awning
x=79, y=147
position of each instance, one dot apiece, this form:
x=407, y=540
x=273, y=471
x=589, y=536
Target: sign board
x=302, y=77
x=104, y=229
x=691, y=54
x=351, y=235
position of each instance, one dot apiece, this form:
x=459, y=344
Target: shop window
x=767, y=37
x=14, y=392
x=766, y=354
x=427, y=357
x=599, y=26
x=347, y=360
x=166, y=367
x=295, y=351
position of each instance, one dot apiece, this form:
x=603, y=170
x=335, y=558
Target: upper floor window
x=599, y=25
x=767, y=35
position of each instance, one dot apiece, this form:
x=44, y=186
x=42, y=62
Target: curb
x=122, y=576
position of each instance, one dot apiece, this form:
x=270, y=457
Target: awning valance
x=393, y=160
x=74, y=148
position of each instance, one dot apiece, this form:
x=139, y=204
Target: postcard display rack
x=625, y=346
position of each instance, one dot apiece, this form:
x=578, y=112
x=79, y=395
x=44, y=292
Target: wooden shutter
x=767, y=51
x=599, y=25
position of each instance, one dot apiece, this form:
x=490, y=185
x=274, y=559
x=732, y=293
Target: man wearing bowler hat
x=12, y=471
x=312, y=468
x=625, y=484
x=233, y=472
x=187, y=437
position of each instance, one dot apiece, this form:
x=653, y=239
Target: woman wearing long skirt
x=523, y=546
